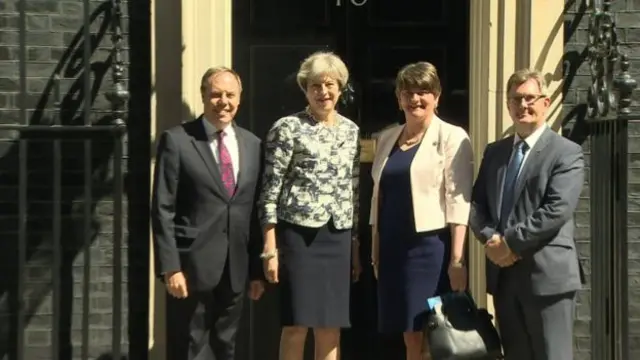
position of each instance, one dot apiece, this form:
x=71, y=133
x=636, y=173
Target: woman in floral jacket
x=308, y=199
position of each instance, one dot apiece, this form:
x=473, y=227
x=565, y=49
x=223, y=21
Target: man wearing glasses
x=522, y=211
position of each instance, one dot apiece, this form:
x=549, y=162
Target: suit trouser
x=533, y=327
x=204, y=325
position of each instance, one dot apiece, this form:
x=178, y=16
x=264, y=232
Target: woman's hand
x=270, y=267
x=269, y=254
x=458, y=276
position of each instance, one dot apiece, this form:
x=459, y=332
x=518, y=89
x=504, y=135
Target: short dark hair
x=419, y=76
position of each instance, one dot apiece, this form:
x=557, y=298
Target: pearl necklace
x=325, y=123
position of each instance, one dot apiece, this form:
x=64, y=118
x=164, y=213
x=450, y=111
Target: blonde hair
x=522, y=76
x=320, y=64
x=214, y=71
x=419, y=76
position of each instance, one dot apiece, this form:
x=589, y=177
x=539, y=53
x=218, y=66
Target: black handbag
x=457, y=330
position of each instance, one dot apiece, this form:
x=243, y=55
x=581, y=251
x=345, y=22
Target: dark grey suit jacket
x=540, y=228
x=196, y=225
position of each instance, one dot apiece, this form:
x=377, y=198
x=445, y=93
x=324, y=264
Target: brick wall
x=54, y=45
x=577, y=81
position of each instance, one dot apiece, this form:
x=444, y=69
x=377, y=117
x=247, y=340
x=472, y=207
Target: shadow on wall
x=75, y=235
x=574, y=125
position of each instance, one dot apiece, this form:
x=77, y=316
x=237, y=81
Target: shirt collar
x=212, y=130
x=532, y=139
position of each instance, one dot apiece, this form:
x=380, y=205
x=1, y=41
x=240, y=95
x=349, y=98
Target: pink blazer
x=441, y=175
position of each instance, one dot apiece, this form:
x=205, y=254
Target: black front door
x=375, y=39
x=380, y=37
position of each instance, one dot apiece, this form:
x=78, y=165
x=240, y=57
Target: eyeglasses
x=528, y=99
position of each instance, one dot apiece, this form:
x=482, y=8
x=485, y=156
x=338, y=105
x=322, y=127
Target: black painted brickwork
x=577, y=82
x=54, y=43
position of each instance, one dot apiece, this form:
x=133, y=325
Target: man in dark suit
x=523, y=203
x=205, y=183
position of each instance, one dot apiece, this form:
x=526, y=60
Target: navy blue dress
x=412, y=266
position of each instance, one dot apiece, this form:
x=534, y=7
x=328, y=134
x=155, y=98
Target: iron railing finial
x=625, y=84
x=119, y=95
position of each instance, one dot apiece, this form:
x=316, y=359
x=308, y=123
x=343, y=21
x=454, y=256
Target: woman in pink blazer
x=423, y=175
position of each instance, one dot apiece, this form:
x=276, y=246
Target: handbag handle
x=458, y=302
x=467, y=297
x=470, y=299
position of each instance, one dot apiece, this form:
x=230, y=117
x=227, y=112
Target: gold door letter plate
x=367, y=150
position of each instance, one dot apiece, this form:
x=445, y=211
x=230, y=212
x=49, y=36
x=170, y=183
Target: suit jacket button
x=224, y=231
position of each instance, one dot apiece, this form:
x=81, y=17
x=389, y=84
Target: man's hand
x=256, y=289
x=499, y=253
x=176, y=284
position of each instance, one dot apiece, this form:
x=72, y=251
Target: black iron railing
x=57, y=133
x=609, y=105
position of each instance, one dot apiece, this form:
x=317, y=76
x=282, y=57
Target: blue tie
x=508, y=195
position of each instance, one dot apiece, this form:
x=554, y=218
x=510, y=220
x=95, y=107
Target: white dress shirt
x=230, y=141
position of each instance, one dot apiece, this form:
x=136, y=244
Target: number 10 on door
x=353, y=2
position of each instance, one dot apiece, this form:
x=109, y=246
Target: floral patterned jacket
x=311, y=172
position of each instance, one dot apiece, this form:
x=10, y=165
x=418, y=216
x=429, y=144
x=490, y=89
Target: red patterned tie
x=226, y=166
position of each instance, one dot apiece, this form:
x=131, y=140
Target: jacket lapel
x=385, y=149
x=504, y=155
x=202, y=144
x=431, y=144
